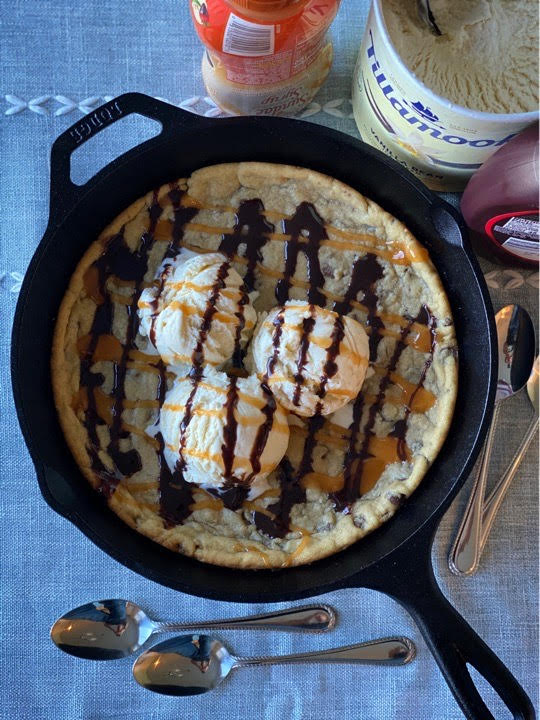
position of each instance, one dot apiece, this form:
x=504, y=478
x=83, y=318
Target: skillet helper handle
x=64, y=192
x=452, y=641
x=454, y=644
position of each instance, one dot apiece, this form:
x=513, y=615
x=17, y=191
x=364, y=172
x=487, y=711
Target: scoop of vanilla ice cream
x=314, y=360
x=197, y=302
x=235, y=433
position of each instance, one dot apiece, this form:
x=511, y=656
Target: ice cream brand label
x=404, y=109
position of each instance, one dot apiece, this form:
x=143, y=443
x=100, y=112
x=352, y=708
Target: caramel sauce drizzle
x=304, y=231
x=395, y=252
x=400, y=428
x=363, y=467
x=419, y=339
x=242, y=420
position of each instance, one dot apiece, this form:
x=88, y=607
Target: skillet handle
x=64, y=192
x=452, y=641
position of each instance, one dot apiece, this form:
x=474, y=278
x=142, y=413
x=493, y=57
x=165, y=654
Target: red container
x=500, y=202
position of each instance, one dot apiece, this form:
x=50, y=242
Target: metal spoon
x=195, y=664
x=494, y=501
x=112, y=629
x=426, y=16
x=515, y=338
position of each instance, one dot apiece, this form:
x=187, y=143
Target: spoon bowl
x=516, y=345
x=113, y=629
x=186, y=665
x=195, y=664
x=103, y=630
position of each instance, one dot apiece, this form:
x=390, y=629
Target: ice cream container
x=440, y=142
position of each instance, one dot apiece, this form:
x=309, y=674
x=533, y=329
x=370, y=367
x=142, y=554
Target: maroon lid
x=506, y=183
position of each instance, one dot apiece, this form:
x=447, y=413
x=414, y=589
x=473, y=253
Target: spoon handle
x=387, y=651
x=309, y=618
x=493, y=502
x=464, y=555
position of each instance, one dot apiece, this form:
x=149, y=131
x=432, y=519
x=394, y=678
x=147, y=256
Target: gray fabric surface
x=58, y=59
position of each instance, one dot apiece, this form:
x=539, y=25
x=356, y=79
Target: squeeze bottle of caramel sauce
x=264, y=57
x=500, y=202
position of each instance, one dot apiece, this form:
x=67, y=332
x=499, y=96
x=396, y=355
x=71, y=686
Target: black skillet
x=396, y=559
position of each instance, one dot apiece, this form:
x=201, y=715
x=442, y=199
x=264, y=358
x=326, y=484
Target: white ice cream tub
x=440, y=142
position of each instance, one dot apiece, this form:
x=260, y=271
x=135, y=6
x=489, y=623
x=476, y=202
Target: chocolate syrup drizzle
x=239, y=351
x=307, y=327
x=330, y=366
x=155, y=304
x=354, y=460
x=306, y=230
x=175, y=494
x=365, y=273
x=252, y=229
x=195, y=374
x=230, y=428
x=306, y=223
x=117, y=260
x=182, y=215
x=261, y=438
x=399, y=430
x=292, y=493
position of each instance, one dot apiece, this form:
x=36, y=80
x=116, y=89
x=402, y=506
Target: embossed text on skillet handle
x=63, y=191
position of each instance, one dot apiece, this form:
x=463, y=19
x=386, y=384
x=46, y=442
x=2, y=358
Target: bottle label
x=518, y=233
x=285, y=98
x=522, y=248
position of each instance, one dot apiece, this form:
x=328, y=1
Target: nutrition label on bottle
x=519, y=235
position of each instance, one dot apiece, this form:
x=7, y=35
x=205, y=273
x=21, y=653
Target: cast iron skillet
x=396, y=559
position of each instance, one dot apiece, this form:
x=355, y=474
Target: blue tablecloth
x=61, y=59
